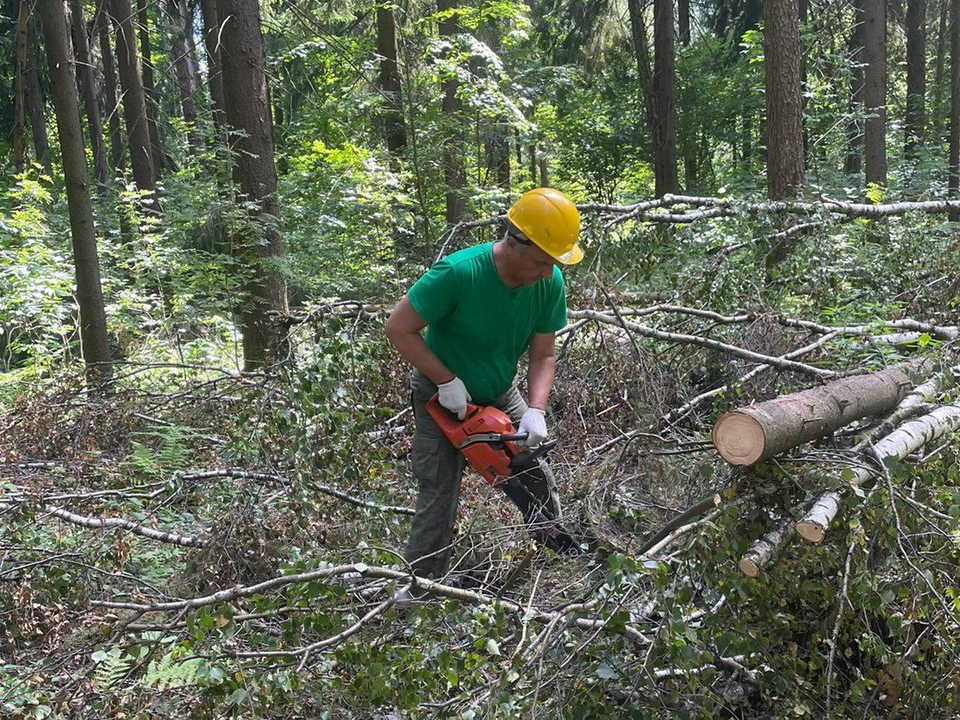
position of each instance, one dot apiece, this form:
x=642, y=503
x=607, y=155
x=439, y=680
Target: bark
x=665, y=135
x=149, y=94
x=88, y=84
x=641, y=49
x=211, y=29
x=854, y=161
x=93, y=324
x=180, y=59
x=953, y=180
x=683, y=21
x=19, y=116
x=783, y=98
x=916, y=74
x=942, y=30
x=34, y=101
x=875, y=92
x=748, y=435
x=248, y=114
x=134, y=105
x=112, y=104
x=909, y=438
x=455, y=175
x=766, y=548
x=391, y=116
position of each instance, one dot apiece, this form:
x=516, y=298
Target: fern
x=166, y=673
x=112, y=667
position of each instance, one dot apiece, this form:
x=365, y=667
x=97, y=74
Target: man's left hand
x=534, y=423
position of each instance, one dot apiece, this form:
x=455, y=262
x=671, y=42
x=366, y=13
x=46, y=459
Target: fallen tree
x=908, y=438
x=751, y=434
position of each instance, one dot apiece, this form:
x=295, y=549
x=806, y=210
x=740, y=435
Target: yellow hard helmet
x=551, y=220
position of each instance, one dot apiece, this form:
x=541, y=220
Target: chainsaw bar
x=540, y=521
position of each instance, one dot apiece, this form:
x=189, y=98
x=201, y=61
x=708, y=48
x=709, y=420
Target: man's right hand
x=454, y=397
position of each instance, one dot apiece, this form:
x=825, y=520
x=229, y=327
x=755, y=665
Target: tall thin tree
x=33, y=96
x=953, y=179
x=101, y=25
x=854, y=158
x=665, y=135
x=149, y=92
x=390, y=118
x=93, y=324
x=88, y=86
x=781, y=40
x=211, y=31
x=180, y=59
x=455, y=175
x=916, y=74
x=19, y=93
x=875, y=91
x=248, y=115
x=134, y=105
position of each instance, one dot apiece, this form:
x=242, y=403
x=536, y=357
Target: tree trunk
x=391, y=116
x=938, y=76
x=134, y=105
x=953, y=180
x=34, y=101
x=908, y=438
x=766, y=548
x=641, y=48
x=804, y=9
x=781, y=41
x=211, y=30
x=454, y=173
x=665, y=137
x=758, y=432
x=875, y=91
x=102, y=29
x=854, y=160
x=248, y=113
x=180, y=59
x=149, y=94
x=88, y=83
x=19, y=116
x=916, y=74
x=93, y=324
x=683, y=21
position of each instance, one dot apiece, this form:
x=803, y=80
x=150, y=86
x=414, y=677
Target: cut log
x=748, y=435
x=903, y=441
x=766, y=548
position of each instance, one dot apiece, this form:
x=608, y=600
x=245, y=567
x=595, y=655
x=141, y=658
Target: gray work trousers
x=438, y=467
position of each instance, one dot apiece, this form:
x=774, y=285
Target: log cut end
x=739, y=438
x=811, y=531
x=748, y=567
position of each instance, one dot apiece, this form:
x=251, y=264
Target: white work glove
x=534, y=423
x=454, y=397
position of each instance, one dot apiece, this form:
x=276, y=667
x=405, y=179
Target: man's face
x=532, y=264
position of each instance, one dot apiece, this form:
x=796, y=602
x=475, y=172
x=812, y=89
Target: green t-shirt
x=477, y=325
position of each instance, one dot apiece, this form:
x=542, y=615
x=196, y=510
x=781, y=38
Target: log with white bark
x=903, y=441
x=750, y=434
x=766, y=548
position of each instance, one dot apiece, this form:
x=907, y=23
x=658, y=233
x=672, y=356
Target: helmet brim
x=571, y=257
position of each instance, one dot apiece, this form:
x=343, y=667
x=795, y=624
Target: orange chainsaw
x=488, y=441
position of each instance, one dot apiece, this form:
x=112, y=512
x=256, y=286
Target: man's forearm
x=415, y=351
x=540, y=380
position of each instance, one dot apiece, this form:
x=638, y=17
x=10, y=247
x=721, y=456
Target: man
x=482, y=308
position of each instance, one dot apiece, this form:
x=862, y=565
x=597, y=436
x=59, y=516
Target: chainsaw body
x=488, y=441
x=485, y=437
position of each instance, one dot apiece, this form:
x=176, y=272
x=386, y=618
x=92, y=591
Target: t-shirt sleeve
x=554, y=315
x=436, y=293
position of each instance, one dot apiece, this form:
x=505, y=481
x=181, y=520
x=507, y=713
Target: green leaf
x=492, y=647
x=606, y=672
